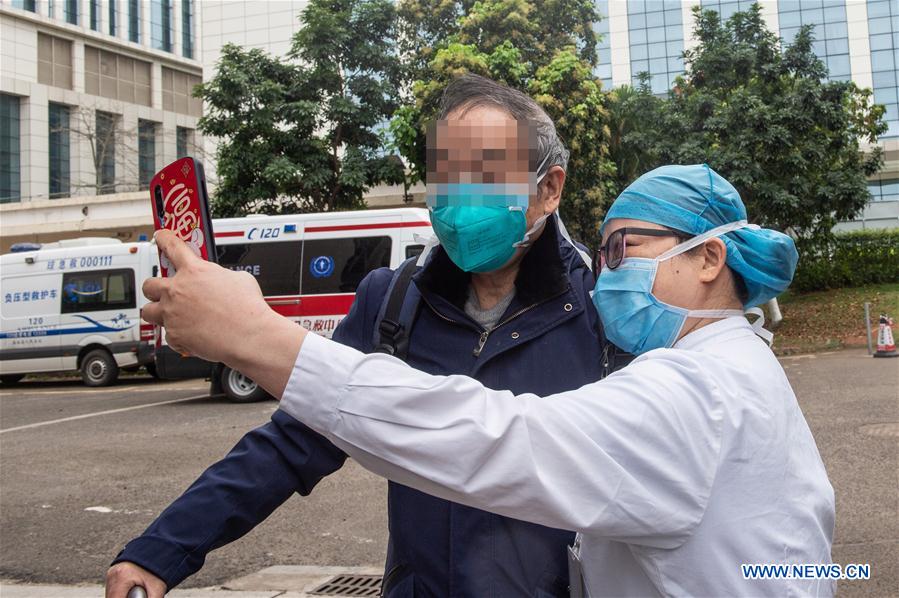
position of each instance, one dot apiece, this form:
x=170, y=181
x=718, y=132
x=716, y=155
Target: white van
x=308, y=267
x=75, y=305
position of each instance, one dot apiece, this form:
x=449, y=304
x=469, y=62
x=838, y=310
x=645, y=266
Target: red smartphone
x=181, y=204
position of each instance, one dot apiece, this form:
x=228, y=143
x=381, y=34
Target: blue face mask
x=633, y=318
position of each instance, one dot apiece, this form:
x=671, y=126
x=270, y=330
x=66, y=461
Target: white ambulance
x=75, y=305
x=308, y=267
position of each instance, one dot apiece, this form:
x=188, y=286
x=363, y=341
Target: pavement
x=271, y=582
x=83, y=470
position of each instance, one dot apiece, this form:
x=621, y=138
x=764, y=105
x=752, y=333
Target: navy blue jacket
x=548, y=341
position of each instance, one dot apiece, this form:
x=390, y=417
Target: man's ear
x=550, y=189
x=714, y=259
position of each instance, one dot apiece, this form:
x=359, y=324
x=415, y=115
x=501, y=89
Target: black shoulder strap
x=392, y=328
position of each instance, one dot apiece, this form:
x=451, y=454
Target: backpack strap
x=397, y=313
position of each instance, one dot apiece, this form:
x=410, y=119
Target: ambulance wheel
x=151, y=369
x=11, y=378
x=240, y=389
x=98, y=368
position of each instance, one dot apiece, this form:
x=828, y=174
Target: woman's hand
x=220, y=315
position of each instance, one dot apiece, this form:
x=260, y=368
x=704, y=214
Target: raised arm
x=632, y=457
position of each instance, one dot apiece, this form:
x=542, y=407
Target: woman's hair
x=740, y=289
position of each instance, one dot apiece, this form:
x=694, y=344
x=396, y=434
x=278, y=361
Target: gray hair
x=470, y=91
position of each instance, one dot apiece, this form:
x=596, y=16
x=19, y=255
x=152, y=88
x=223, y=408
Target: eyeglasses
x=613, y=251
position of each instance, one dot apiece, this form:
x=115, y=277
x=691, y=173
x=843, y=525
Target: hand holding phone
x=181, y=204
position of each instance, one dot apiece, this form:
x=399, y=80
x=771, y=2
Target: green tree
x=635, y=125
x=546, y=48
x=766, y=118
x=307, y=132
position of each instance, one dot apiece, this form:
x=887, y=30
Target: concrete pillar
x=146, y=18
x=33, y=145
x=859, y=43
x=687, y=19
x=771, y=16
x=620, y=40
x=176, y=28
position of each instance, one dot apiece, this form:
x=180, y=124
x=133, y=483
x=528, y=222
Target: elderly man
x=504, y=292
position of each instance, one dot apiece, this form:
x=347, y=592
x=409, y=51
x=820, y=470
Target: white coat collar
x=717, y=331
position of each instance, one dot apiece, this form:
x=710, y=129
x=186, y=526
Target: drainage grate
x=350, y=585
x=885, y=430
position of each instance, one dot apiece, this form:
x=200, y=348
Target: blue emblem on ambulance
x=322, y=266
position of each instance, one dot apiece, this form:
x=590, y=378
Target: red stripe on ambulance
x=312, y=305
x=328, y=229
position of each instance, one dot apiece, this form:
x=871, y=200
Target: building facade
x=857, y=40
x=95, y=96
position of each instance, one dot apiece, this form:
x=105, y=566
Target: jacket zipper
x=485, y=334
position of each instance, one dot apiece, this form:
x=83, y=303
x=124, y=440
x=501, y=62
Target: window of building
x=831, y=31
x=884, y=190
x=161, y=24
x=116, y=76
x=146, y=150
x=59, y=115
x=656, y=41
x=883, y=33
x=98, y=290
x=112, y=17
x=25, y=5
x=9, y=148
x=339, y=265
x=276, y=266
x=105, y=150
x=727, y=8
x=184, y=141
x=134, y=20
x=177, y=92
x=95, y=14
x=187, y=28
x=54, y=61
x=70, y=11
x=604, y=46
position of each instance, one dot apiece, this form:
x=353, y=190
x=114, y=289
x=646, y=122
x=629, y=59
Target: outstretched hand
x=206, y=310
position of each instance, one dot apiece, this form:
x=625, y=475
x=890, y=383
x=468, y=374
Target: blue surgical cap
x=695, y=199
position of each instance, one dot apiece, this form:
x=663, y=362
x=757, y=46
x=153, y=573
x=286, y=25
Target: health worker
x=676, y=470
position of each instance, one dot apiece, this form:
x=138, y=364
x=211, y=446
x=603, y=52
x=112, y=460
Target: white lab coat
x=676, y=470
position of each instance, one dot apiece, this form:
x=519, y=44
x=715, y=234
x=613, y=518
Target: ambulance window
x=339, y=265
x=276, y=266
x=97, y=291
x=414, y=250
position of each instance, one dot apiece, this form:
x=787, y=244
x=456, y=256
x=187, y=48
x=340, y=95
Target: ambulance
x=308, y=267
x=74, y=305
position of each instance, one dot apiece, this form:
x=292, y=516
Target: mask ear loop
x=429, y=242
x=700, y=239
x=757, y=325
x=538, y=225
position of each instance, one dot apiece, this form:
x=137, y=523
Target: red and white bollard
x=886, y=346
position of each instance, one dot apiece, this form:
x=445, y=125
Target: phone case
x=181, y=204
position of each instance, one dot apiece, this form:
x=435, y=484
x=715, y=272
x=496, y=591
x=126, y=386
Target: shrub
x=851, y=259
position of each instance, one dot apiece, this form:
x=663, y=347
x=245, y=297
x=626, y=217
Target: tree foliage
x=306, y=132
x=546, y=48
x=766, y=118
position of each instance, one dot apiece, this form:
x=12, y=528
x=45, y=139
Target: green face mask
x=478, y=238
x=481, y=224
